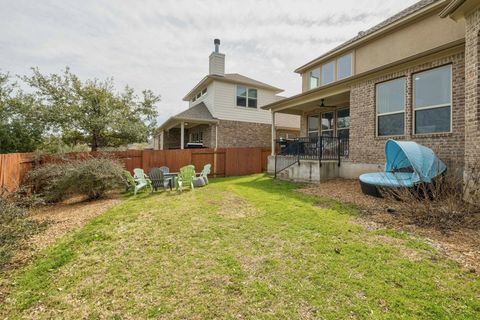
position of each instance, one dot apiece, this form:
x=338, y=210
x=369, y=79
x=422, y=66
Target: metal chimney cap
x=216, y=41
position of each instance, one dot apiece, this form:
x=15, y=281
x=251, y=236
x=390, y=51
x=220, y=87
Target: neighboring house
x=224, y=111
x=414, y=76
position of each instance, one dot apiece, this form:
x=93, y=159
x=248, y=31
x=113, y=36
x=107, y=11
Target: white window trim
x=377, y=115
x=434, y=106
x=246, y=107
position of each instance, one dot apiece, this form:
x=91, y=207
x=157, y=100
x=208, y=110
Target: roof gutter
x=451, y=8
x=369, y=37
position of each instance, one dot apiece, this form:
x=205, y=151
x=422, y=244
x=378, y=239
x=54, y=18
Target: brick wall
x=365, y=147
x=472, y=91
x=233, y=134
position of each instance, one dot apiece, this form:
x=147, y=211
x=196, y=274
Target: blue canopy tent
x=408, y=164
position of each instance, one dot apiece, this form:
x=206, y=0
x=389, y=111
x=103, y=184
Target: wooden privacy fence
x=226, y=162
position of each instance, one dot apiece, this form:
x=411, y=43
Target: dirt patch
x=235, y=207
x=461, y=244
x=62, y=218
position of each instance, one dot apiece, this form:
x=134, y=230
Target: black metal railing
x=290, y=152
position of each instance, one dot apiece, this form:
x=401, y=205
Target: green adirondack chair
x=141, y=178
x=187, y=174
x=133, y=184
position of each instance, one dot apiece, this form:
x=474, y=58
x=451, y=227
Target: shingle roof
x=402, y=14
x=199, y=111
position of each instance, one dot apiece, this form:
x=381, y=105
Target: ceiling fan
x=322, y=104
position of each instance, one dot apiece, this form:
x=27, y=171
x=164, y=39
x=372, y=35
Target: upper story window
x=390, y=101
x=246, y=97
x=344, y=66
x=314, y=79
x=199, y=94
x=335, y=70
x=328, y=73
x=432, y=100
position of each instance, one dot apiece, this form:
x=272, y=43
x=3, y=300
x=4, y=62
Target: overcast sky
x=164, y=45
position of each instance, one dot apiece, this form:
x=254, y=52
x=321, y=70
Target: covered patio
x=194, y=127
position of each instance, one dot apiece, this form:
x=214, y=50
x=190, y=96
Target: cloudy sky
x=164, y=45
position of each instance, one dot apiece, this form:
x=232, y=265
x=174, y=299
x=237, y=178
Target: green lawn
x=249, y=248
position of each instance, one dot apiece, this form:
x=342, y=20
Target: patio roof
x=198, y=114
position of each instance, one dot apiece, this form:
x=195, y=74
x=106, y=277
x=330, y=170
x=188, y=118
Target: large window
x=390, y=101
x=313, y=126
x=343, y=123
x=328, y=74
x=246, y=97
x=344, y=66
x=314, y=78
x=432, y=100
x=328, y=122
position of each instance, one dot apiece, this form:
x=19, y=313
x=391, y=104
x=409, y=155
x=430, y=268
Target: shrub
x=442, y=204
x=14, y=227
x=91, y=178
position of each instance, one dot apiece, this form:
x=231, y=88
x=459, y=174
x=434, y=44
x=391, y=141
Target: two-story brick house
x=414, y=76
x=224, y=111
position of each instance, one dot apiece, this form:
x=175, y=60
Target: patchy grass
x=245, y=247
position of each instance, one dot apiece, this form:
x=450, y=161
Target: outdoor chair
x=204, y=174
x=159, y=180
x=165, y=169
x=186, y=177
x=133, y=184
x=141, y=178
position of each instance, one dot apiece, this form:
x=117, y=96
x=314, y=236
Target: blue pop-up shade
x=408, y=163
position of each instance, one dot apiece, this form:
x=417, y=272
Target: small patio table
x=172, y=178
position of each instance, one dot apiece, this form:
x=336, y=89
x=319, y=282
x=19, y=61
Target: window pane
x=391, y=125
x=327, y=73
x=432, y=87
x=343, y=118
x=241, y=91
x=241, y=102
x=344, y=66
x=241, y=96
x=391, y=96
x=432, y=120
x=313, y=134
x=327, y=133
x=314, y=78
x=312, y=123
x=343, y=134
x=252, y=93
x=327, y=121
x=252, y=103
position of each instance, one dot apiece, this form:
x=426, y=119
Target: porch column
x=216, y=136
x=161, y=139
x=182, y=134
x=274, y=135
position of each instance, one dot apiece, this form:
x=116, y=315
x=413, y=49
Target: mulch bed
x=461, y=243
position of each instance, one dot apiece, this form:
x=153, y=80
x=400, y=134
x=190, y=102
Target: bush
x=441, y=204
x=14, y=227
x=91, y=178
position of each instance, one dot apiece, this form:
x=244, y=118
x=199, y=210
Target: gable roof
x=197, y=113
x=230, y=78
x=418, y=6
